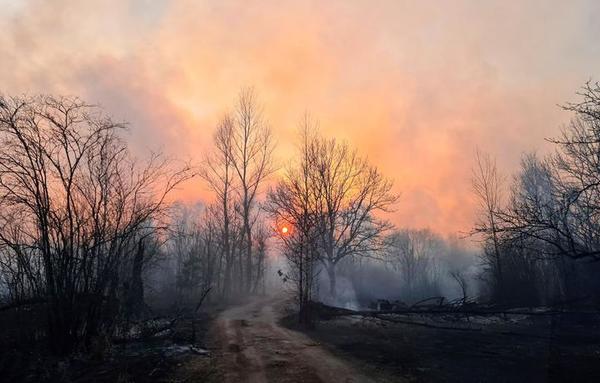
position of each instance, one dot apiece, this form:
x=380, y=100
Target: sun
x=284, y=230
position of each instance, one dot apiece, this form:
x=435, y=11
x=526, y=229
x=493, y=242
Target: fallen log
x=338, y=311
x=427, y=325
x=328, y=312
x=440, y=301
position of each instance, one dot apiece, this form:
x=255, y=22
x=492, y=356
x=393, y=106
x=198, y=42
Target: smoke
x=423, y=76
x=362, y=281
x=346, y=295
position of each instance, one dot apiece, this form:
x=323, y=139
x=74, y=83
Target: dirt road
x=255, y=348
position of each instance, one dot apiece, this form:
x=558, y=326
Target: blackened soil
x=535, y=349
x=157, y=359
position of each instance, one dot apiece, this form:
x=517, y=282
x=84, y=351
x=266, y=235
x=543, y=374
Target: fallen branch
x=440, y=301
x=331, y=311
x=428, y=325
x=337, y=311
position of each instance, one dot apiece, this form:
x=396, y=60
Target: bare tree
x=565, y=214
x=261, y=237
x=351, y=195
x=218, y=172
x=343, y=196
x=73, y=203
x=552, y=219
x=291, y=203
x=487, y=185
x=235, y=172
x=193, y=243
x=251, y=152
x=575, y=227
x=413, y=253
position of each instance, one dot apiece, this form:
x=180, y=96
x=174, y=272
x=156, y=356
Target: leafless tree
x=352, y=193
x=251, y=153
x=193, y=243
x=414, y=254
x=552, y=219
x=73, y=204
x=487, y=185
x=291, y=204
x=536, y=229
x=218, y=172
x=340, y=196
x=261, y=236
x=235, y=172
x=569, y=219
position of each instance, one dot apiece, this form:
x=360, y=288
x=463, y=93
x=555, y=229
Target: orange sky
x=415, y=86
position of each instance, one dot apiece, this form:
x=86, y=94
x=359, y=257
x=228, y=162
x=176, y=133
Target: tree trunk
x=259, y=271
x=332, y=283
x=499, y=276
x=248, y=255
x=227, y=278
x=135, y=302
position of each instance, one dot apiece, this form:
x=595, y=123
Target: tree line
x=542, y=234
x=76, y=210
x=235, y=172
x=86, y=228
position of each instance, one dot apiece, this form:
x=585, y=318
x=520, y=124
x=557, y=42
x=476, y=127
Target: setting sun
x=284, y=230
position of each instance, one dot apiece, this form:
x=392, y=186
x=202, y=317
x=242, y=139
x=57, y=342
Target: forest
x=97, y=258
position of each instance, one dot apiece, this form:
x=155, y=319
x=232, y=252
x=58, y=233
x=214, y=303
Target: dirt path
x=255, y=348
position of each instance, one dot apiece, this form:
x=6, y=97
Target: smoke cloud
x=415, y=86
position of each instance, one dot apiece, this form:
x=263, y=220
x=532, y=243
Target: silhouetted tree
x=343, y=196
x=487, y=185
x=218, y=172
x=251, y=152
x=291, y=203
x=72, y=203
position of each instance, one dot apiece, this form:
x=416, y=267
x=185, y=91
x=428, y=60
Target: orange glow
x=414, y=86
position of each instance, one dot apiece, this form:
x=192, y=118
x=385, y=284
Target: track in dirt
x=255, y=348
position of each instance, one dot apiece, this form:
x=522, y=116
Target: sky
x=416, y=86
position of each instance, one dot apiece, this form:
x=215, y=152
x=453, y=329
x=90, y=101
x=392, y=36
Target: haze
x=435, y=81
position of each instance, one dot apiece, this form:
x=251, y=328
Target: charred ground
x=434, y=347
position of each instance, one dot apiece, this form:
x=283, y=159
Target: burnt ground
x=506, y=349
x=256, y=342
x=158, y=358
